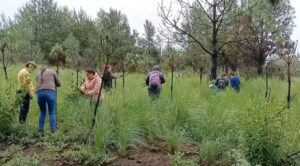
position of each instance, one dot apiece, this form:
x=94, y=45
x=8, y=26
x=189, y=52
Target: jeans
x=47, y=98
x=24, y=107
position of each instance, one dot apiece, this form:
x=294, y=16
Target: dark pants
x=107, y=84
x=24, y=107
x=154, y=91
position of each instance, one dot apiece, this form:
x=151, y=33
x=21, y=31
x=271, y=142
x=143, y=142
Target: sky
x=137, y=11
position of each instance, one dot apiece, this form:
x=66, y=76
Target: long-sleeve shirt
x=24, y=81
x=47, y=80
x=91, y=87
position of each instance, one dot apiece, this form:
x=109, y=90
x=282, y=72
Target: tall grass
x=218, y=122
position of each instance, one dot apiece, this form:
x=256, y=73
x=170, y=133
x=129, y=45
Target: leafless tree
x=202, y=22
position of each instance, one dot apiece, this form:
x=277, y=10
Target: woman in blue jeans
x=47, y=82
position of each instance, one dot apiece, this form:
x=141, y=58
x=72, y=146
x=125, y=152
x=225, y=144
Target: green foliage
x=8, y=110
x=21, y=160
x=229, y=127
x=88, y=155
x=179, y=160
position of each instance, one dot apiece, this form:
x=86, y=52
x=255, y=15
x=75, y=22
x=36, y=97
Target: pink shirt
x=91, y=87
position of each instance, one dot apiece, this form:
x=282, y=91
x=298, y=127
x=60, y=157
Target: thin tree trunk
x=5, y=72
x=4, y=65
x=123, y=74
x=100, y=91
x=115, y=82
x=11, y=53
x=267, y=83
x=289, y=87
x=77, y=77
x=172, y=76
x=201, y=75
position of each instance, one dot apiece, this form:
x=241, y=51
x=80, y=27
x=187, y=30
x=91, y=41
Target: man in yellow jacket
x=25, y=89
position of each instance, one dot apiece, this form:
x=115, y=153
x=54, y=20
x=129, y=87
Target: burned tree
x=107, y=47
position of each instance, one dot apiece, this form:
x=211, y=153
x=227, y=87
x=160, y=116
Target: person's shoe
x=42, y=132
x=53, y=131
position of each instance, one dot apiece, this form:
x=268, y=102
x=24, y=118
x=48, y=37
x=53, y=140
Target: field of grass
x=195, y=127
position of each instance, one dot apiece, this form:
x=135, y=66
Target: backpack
x=154, y=79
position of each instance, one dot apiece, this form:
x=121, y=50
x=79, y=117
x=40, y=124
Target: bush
x=8, y=111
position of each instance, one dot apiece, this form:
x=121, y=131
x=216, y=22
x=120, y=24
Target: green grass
x=218, y=122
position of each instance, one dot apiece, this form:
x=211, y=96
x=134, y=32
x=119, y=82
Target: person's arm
x=56, y=80
x=162, y=78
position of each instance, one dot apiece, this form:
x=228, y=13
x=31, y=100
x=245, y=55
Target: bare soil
x=154, y=154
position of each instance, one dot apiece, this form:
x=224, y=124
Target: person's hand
x=79, y=90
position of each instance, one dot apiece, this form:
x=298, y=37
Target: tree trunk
x=115, y=82
x=260, y=69
x=4, y=65
x=201, y=75
x=289, y=88
x=11, y=53
x=267, y=83
x=214, y=56
x=5, y=72
x=260, y=64
x=31, y=52
x=214, y=66
x=77, y=77
x=123, y=74
x=172, y=78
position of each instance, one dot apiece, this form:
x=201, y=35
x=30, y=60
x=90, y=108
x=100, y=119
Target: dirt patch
x=3, y=146
x=155, y=153
x=33, y=150
x=190, y=150
x=60, y=162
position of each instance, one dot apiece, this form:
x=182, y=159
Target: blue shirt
x=235, y=83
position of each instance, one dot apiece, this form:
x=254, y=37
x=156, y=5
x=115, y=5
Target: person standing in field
x=47, y=83
x=108, y=78
x=235, y=82
x=154, y=80
x=25, y=89
x=222, y=82
x=91, y=86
